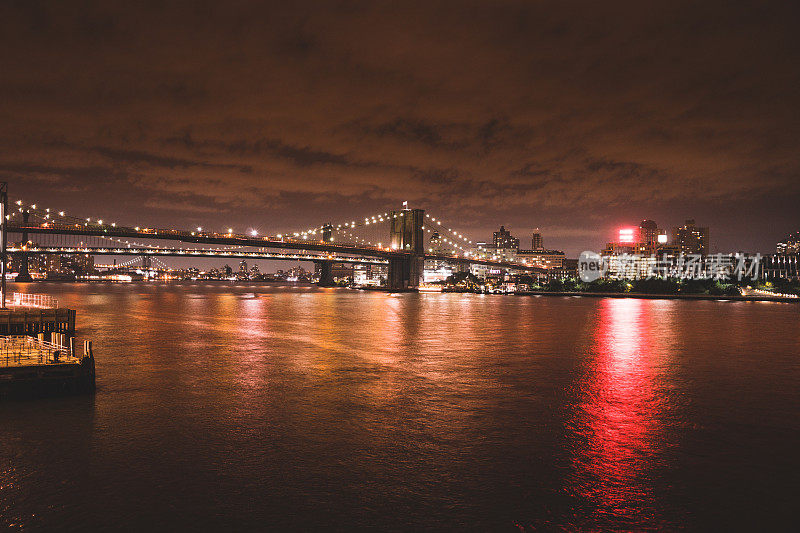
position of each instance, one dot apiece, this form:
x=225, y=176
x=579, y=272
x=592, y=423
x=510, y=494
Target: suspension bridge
x=402, y=240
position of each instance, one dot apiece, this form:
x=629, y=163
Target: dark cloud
x=569, y=116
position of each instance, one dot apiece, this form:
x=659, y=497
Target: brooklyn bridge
x=400, y=240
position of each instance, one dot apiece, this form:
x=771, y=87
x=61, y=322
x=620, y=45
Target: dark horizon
x=574, y=119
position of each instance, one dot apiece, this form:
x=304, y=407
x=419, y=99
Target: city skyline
x=270, y=117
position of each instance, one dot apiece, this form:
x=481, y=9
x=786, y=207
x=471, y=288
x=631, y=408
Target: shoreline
x=639, y=295
x=647, y=296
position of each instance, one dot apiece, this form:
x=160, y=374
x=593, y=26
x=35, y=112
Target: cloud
x=528, y=113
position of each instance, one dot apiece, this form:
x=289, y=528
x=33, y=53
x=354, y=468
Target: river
x=268, y=407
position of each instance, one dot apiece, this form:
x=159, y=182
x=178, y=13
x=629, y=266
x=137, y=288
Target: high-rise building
x=503, y=240
x=537, y=243
x=691, y=239
x=648, y=232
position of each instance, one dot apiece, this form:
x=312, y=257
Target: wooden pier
x=35, y=321
x=32, y=366
x=37, y=349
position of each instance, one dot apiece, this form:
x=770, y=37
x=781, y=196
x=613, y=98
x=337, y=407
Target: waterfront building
x=568, y=270
x=439, y=274
x=340, y=272
x=369, y=275
x=479, y=271
x=298, y=273
x=542, y=258
x=781, y=266
x=627, y=266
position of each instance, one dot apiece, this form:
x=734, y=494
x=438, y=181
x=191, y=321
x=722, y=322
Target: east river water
x=263, y=407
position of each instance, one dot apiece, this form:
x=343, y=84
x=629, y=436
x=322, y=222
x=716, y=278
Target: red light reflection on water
x=620, y=412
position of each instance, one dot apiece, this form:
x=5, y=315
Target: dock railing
x=22, y=350
x=38, y=301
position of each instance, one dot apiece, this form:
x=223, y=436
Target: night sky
x=575, y=117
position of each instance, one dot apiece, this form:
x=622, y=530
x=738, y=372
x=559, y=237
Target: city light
x=626, y=235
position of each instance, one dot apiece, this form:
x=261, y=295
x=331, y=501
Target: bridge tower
x=406, y=235
x=24, y=275
x=326, y=267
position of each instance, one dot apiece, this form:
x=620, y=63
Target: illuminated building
x=542, y=258
x=790, y=245
x=438, y=274
x=369, y=275
x=691, y=239
x=503, y=240
x=504, y=246
x=781, y=266
x=479, y=271
x=435, y=247
x=628, y=257
x=627, y=243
